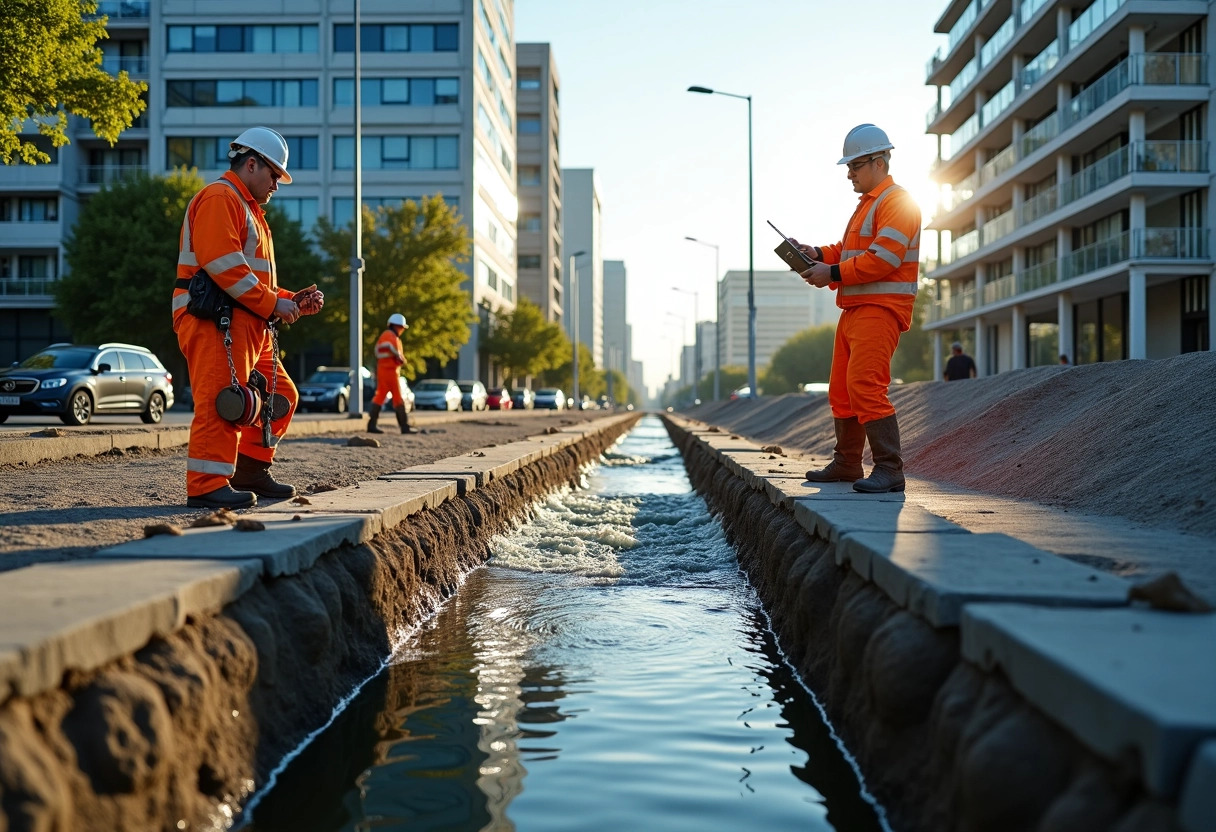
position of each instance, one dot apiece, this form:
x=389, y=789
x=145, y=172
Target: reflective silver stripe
x=888, y=257
x=915, y=240
x=251, y=238
x=867, y=225
x=259, y=265
x=225, y=262
x=187, y=258
x=180, y=301
x=386, y=350
x=912, y=255
x=894, y=234
x=888, y=287
x=209, y=466
x=242, y=286
x=851, y=252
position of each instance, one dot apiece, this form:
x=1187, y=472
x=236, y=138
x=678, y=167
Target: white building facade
x=785, y=305
x=581, y=219
x=1075, y=167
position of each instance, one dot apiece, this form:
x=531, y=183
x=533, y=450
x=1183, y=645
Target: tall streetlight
x=696, y=341
x=751, y=243
x=717, y=319
x=356, y=254
x=574, y=321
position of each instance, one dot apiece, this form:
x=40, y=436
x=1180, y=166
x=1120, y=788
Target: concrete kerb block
x=833, y=519
x=172, y=438
x=935, y=575
x=31, y=450
x=79, y=615
x=1117, y=679
x=1197, y=806
x=136, y=439
x=287, y=546
x=391, y=500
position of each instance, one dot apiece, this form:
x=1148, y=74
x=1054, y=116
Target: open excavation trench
x=181, y=733
x=944, y=745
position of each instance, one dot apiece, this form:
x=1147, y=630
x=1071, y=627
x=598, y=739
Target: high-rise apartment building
x=438, y=117
x=617, y=352
x=785, y=305
x=539, y=178
x=581, y=233
x=1075, y=167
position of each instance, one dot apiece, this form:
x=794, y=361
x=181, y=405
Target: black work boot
x=846, y=458
x=373, y=416
x=403, y=420
x=223, y=497
x=254, y=475
x=888, y=473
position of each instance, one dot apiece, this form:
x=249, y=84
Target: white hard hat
x=267, y=143
x=864, y=140
x=397, y=319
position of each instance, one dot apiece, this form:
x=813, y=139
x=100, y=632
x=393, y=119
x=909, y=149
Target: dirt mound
x=1132, y=439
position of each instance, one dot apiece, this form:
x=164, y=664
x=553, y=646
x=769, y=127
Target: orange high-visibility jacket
x=225, y=232
x=389, y=352
x=877, y=262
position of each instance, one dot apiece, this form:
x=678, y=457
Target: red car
x=499, y=398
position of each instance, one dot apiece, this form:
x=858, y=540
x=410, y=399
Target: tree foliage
x=298, y=265
x=913, y=359
x=590, y=380
x=50, y=66
x=122, y=261
x=523, y=343
x=807, y=356
x=410, y=252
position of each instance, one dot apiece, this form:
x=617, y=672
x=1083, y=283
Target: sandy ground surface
x=62, y=510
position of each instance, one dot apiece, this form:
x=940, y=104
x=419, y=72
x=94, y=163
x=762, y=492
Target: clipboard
x=790, y=253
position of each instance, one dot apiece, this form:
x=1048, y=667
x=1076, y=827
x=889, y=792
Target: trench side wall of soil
x=943, y=745
x=179, y=734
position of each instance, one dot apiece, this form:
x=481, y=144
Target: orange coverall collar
x=879, y=188
x=248, y=197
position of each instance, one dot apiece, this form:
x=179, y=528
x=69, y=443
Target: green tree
x=411, y=252
x=807, y=356
x=50, y=66
x=298, y=265
x=913, y=359
x=122, y=261
x=523, y=343
x=590, y=380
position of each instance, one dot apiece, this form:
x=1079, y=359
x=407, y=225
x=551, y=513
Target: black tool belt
x=208, y=301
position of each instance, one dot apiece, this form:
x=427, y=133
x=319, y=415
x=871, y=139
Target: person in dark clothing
x=959, y=366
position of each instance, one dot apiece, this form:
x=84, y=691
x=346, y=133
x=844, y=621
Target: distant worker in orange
x=390, y=355
x=225, y=330
x=874, y=271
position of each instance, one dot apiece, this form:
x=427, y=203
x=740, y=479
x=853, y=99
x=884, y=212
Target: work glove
x=309, y=300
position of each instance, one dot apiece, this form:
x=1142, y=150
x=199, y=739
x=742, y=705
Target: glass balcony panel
x=1036, y=277
x=934, y=111
x=1090, y=19
x=964, y=134
x=1101, y=173
x=26, y=286
x=999, y=40
x=1039, y=205
x=123, y=8
x=998, y=164
x=1170, y=243
x=969, y=243
x=959, y=193
x=1039, y=135
x=1028, y=9
x=997, y=104
x=1170, y=156
x=131, y=64
x=965, y=76
x=999, y=289
x=932, y=64
x=998, y=227
x=961, y=26
x=105, y=174
x=1098, y=255
x=1042, y=64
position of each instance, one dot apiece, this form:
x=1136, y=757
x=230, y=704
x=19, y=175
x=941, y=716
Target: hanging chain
x=226, y=328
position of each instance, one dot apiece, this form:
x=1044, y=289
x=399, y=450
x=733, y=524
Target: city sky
x=673, y=164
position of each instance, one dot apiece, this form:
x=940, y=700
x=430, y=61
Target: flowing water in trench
x=610, y=669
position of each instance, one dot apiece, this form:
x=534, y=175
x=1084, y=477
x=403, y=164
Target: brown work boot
x=254, y=475
x=888, y=473
x=223, y=497
x=373, y=416
x=846, y=458
x=403, y=419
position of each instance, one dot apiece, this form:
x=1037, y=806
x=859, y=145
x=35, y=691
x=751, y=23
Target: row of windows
x=278, y=38
x=413, y=92
x=379, y=152
x=398, y=37
x=261, y=93
x=304, y=209
x=488, y=78
x=29, y=266
x=487, y=127
x=493, y=36
x=209, y=152
x=29, y=209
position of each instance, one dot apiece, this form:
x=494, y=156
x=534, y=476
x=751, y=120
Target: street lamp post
x=717, y=319
x=751, y=243
x=574, y=322
x=696, y=341
x=356, y=254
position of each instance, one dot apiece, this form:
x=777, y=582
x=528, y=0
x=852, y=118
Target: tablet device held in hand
x=790, y=253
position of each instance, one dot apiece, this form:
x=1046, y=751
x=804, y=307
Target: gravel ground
x=67, y=509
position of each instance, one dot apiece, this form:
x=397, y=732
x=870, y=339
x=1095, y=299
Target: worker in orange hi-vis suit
x=225, y=237
x=390, y=355
x=874, y=271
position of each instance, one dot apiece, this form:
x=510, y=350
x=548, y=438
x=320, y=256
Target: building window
x=382, y=92
x=234, y=93
x=344, y=206
x=300, y=209
x=529, y=222
x=37, y=266
x=399, y=152
x=529, y=126
x=529, y=175
x=529, y=261
x=302, y=152
x=205, y=153
x=529, y=79
x=285, y=38
x=38, y=209
x=414, y=37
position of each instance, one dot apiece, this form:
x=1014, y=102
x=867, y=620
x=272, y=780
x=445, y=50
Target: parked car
x=328, y=388
x=499, y=398
x=522, y=398
x=473, y=395
x=814, y=388
x=74, y=382
x=587, y=403
x=744, y=392
x=550, y=398
x=436, y=394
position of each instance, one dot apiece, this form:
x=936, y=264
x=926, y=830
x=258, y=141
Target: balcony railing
x=26, y=286
x=935, y=110
x=1036, y=277
x=961, y=25
x=953, y=305
x=998, y=227
x=999, y=40
x=964, y=78
x=1109, y=168
x=1097, y=255
x=131, y=64
x=934, y=62
x=1170, y=157
x=1039, y=205
x=998, y=104
x=998, y=164
x=1042, y=64
x=1170, y=243
x=999, y=289
x=107, y=174
x=968, y=243
x=123, y=8
x=1090, y=19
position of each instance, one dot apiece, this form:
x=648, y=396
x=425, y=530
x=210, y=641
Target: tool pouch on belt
x=207, y=300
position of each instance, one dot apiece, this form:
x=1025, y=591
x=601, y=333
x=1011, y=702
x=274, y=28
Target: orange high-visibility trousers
x=388, y=382
x=214, y=441
x=866, y=338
